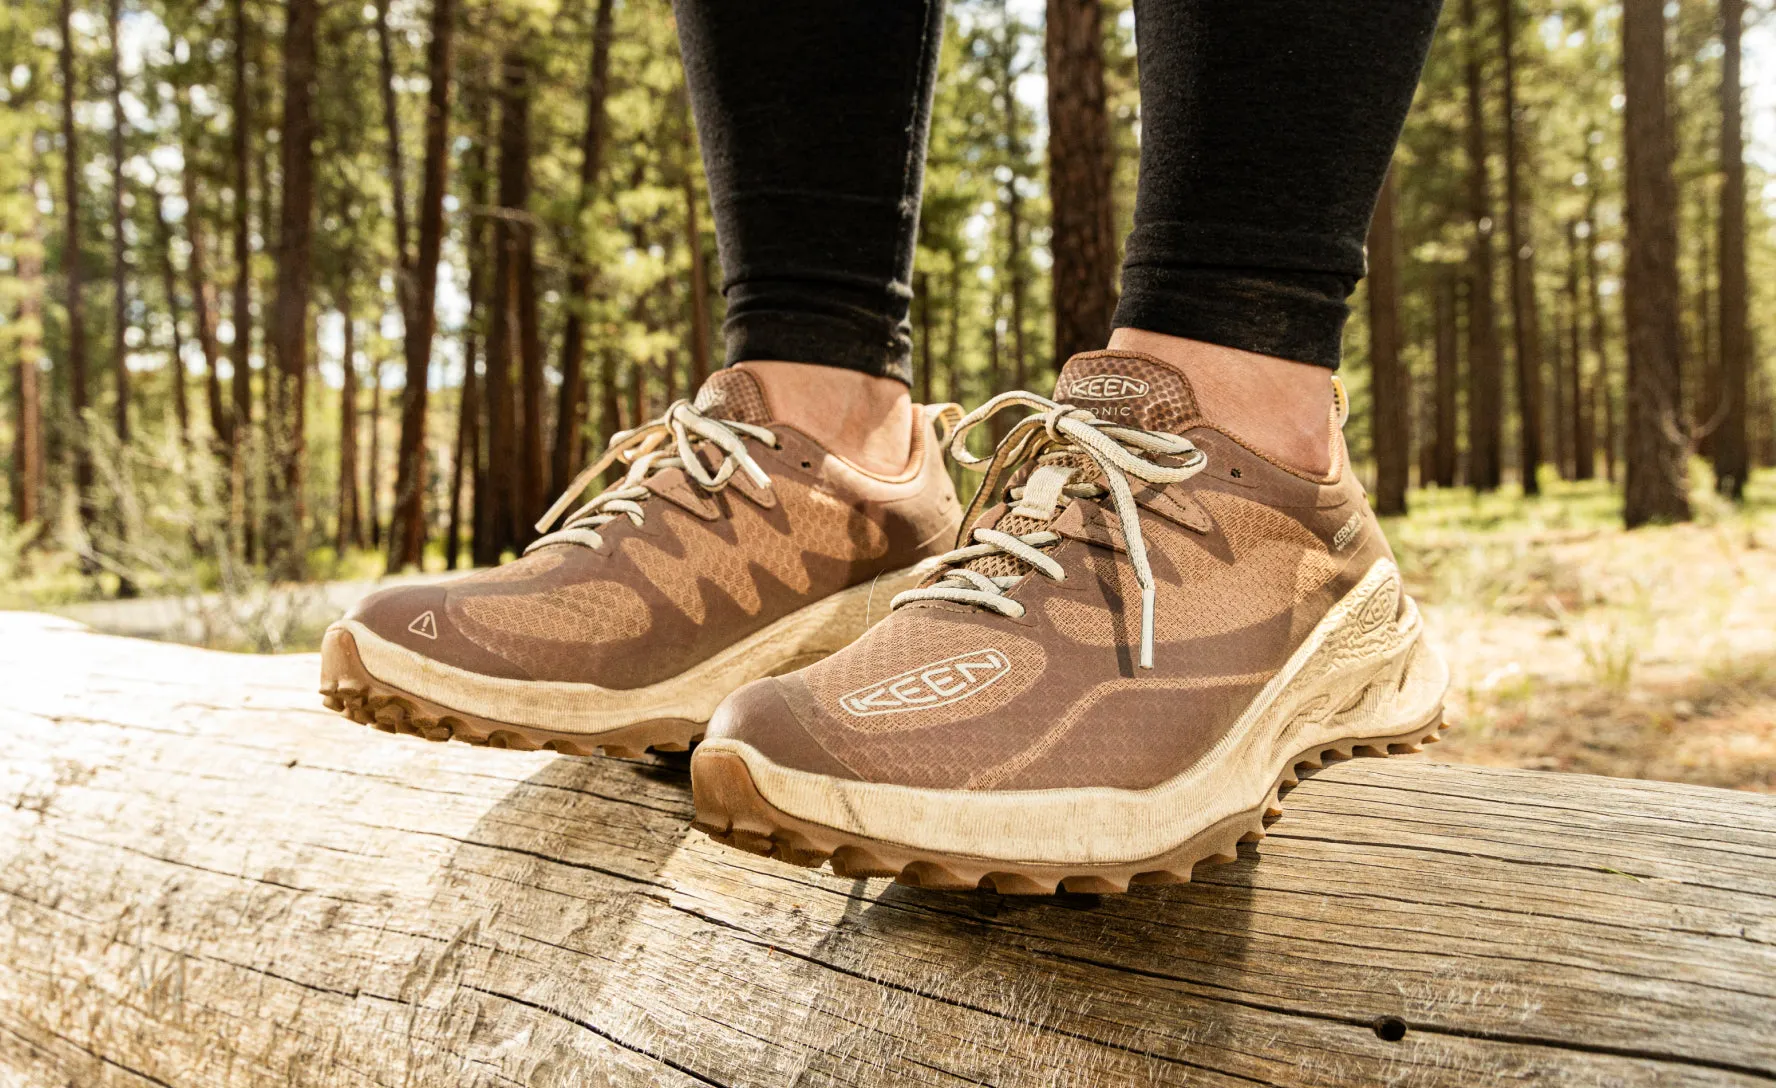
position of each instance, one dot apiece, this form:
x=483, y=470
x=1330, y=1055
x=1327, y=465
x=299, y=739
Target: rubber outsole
x=348, y=687
x=732, y=811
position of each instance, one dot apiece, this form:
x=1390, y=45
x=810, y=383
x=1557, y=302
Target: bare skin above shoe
x=735, y=547
x=1149, y=627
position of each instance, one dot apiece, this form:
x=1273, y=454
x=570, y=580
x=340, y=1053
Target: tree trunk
x=208, y=882
x=570, y=410
x=79, y=397
x=1579, y=399
x=373, y=466
x=1080, y=168
x=1703, y=392
x=349, y=527
x=407, y=530
x=953, y=338
x=285, y=545
x=1446, y=364
x=170, y=287
x=1525, y=320
x=922, y=300
x=203, y=293
x=466, y=413
x=466, y=468
x=1560, y=448
x=610, y=416
x=1603, y=409
x=1732, y=463
x=240, y=354
x=504, y=348
x=1657, y=469
x=519, y=277
x=1485, y=369
x=397, y=171
x=699, y=287
x=119, y=254
x=1390, y=418
x=27, y=433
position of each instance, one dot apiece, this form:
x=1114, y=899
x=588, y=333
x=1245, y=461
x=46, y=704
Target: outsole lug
x=731, y=811
x=348, y=689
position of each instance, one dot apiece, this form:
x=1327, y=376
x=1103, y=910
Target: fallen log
x=206, y=879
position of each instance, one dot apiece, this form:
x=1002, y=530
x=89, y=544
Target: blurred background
x=298, y=295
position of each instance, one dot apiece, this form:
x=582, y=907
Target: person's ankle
x=866, y=420
x=1282, y=408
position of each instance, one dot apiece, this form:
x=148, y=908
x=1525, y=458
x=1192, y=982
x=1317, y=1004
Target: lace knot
x=643, y=449
x=1116, y=451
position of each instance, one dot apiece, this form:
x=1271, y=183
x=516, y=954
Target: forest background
x=299, y=293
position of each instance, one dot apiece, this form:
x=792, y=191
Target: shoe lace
x=1064, y=441
x=646, y=451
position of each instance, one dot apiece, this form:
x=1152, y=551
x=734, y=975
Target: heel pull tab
x=1341, y=404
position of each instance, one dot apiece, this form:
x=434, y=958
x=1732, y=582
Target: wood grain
x=206, y=879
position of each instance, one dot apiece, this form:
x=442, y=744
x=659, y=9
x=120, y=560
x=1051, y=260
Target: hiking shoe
x=735, y=547
x=1113, y=679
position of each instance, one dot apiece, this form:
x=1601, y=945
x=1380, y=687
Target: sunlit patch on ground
x=1575, y=646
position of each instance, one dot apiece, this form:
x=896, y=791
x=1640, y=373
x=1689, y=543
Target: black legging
x=1266, y=129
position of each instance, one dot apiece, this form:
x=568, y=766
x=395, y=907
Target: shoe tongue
x=733, y=394
x=1130, y=388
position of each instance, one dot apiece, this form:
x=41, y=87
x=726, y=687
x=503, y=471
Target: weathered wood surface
x=207, y=880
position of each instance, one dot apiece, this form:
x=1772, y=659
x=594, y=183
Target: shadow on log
x=206, y=879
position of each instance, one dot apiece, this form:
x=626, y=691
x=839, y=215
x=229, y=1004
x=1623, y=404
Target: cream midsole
x=799, y=638
x=1361, y=673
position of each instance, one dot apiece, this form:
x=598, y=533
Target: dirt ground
x=1575, y=646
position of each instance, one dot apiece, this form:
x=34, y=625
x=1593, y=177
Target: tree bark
x=349, y=524
x=467, y=466
x=506, y=342
x=570, y=409
x=373, y=466
x=1560, y=448
x=1732, y=463
x=1390, y=418
x=208, y=882
x=1525, y=319
x=1657, y=469
x=119, y=251
x=203, y=292
x=73, y=269
x=1485, y=368
x=467, y=410
x=286, y=548
x=240, y=353
x=27, y=433
x=922, y=302
x=1582, y=423
x=170, y=287
x=397, y=170
x=1446, y=363
x=699, y=287
x=1080, y=168
x=1602, y=400
x=407, y=534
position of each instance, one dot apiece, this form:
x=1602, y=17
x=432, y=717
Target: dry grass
x=1575, y=646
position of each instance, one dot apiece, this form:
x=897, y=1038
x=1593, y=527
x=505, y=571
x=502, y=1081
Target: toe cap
x=761, y=716
x=415, y=618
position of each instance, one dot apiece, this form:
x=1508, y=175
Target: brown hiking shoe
x=734, y=548
x=1109, y=683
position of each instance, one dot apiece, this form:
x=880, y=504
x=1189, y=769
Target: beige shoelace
x=645, y=450
x=1064, y=440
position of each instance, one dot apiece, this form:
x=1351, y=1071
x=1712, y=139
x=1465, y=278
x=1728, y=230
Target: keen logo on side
x=937, y=684
x=1106, y=387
